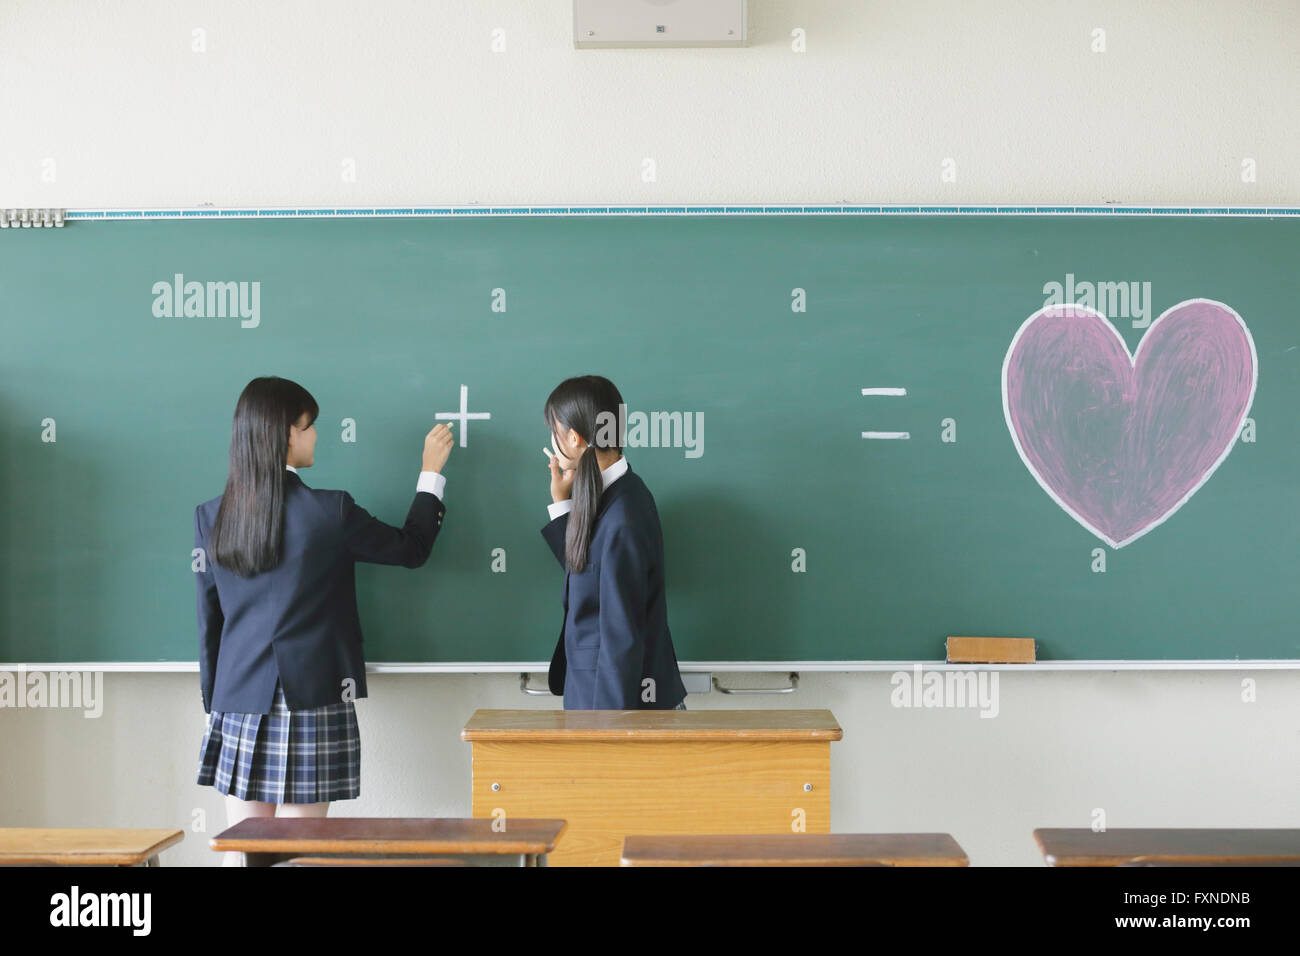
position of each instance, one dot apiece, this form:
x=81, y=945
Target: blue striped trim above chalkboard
x=838, y=209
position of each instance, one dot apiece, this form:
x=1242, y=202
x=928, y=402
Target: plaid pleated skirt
x=286, y=756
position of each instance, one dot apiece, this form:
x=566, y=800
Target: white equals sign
x=885, y=391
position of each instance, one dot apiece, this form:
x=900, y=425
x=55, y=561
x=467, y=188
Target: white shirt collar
x=292, y=469
x=615, y=471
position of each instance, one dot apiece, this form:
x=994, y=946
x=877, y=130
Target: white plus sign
x=464, y=414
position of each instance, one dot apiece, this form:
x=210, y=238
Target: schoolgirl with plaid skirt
x=280, y=659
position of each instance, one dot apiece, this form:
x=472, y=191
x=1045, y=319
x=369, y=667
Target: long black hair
x=589, y=404
x=248, y=533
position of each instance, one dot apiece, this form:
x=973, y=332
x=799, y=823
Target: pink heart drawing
x=1119, y=441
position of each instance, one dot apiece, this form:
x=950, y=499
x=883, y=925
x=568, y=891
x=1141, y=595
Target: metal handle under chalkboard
x=794, y=683
x=532, y=691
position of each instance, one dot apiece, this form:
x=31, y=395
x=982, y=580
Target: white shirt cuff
x=433, y=482
x=557, y=508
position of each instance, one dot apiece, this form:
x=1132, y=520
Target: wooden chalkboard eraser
x=991, y=650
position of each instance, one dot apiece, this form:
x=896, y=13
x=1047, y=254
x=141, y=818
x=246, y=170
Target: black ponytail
x=590, y=405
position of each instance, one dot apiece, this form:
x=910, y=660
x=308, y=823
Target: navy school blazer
x=615, y=631
x=298, y=622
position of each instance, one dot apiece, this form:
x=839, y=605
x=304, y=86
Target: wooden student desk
x=266, y=841
x=84, y=847
x=1168, y=847
x=795, y=849
x=611, y=773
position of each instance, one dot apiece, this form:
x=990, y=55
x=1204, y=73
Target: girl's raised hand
x=561, y=480
x=437, y=446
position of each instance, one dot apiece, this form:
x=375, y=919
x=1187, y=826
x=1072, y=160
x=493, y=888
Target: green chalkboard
x=790, y=536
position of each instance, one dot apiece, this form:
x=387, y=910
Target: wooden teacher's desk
x=611, y=773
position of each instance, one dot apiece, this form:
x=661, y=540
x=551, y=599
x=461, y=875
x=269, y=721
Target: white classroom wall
x=109, y=105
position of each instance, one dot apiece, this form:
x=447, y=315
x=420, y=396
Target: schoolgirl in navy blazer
x=294, y=618
x=615, y=651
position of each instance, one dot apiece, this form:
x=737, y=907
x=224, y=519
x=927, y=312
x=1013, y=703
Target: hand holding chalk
x=561, y=481
x=437, y=447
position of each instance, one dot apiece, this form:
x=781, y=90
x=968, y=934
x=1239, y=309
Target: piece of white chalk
x=547, y=452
